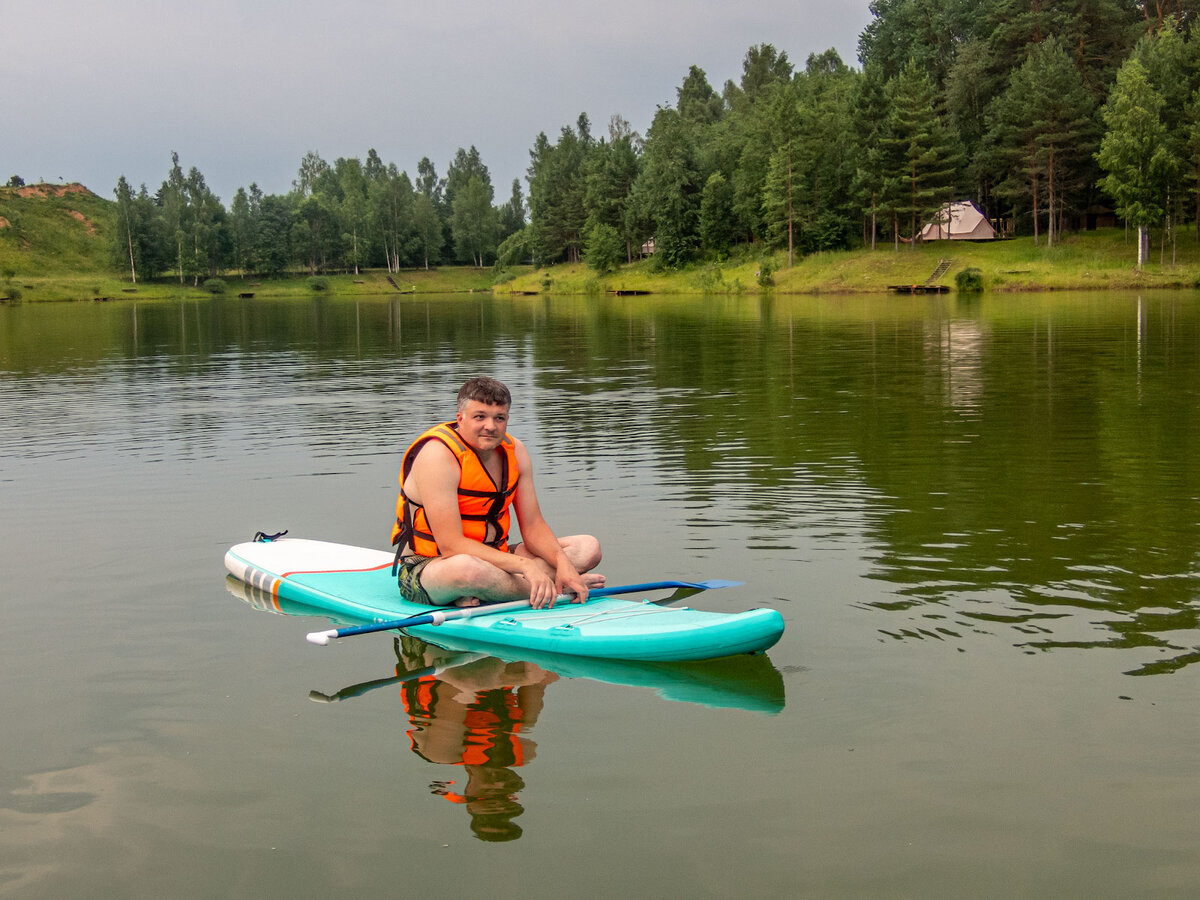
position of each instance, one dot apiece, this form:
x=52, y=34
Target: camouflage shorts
x=410, y=579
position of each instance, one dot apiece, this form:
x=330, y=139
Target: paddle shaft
x=438, y=616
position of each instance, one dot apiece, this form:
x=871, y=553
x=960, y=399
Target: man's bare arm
x=434, y=480
x=537, y=536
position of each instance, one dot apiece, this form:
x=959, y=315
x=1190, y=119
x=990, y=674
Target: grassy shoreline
x=1098, y=260
x=1095, y=260
x=101, y=286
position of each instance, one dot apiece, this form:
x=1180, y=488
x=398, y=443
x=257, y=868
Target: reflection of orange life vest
x=490, y=726
x=482, y=503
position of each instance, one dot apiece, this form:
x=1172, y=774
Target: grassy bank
x=52, y=228
x=1096, y=260
x=99, y=285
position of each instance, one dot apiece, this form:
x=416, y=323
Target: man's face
x=482, y=425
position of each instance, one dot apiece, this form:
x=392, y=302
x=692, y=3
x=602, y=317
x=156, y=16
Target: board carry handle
x=438, y=616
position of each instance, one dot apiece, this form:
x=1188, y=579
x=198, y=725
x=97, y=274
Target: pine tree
x=786, y=169
x=917, y=141
x=1042, y=129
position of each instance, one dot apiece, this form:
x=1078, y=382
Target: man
x=458, y=481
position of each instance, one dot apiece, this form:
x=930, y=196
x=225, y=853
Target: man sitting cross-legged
x=458, y=481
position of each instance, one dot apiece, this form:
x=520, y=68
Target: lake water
x=979, y=518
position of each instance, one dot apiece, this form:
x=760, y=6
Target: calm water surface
x=980, y=520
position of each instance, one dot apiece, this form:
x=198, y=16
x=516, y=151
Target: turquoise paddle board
x=355, y=584
x=748, y=682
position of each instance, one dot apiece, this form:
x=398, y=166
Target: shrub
x=969, y=281
x=709, y=279
x=604, y=250
x=318, y=284
x=214, y=286
x=766, y=273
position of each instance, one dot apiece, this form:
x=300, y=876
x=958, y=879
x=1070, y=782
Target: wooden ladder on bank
x=942, y=266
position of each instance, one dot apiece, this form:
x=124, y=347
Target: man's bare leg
x=465, y=580
x=582, y=550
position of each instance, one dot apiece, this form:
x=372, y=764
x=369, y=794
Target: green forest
x=1051, y=115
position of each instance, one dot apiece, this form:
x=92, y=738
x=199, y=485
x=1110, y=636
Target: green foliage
x=427, y=227
x=668, y=188
x=516, y=249
x=215, y=286
x=318, y=284
x=605, y=250
x=918, y=150
x=716, y=214
x=473, y=222
x=969, y=280
x=10, y=291
x=766, y=273
x=710, y=279
x=557, y=194
x=1134, y=152
x=512, y=214
x=829, y=230
x=1042, y=130
x=15, y=181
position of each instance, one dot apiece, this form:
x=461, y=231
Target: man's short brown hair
x=484, y=390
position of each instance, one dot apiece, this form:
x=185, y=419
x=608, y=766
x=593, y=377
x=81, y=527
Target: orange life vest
x=491, y=724
x=482, y=502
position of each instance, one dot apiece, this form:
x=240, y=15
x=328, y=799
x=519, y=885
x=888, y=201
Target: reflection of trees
x=1011, y=471
x=1010, y=462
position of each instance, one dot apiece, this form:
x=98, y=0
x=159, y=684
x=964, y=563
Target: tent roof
x=959, y=219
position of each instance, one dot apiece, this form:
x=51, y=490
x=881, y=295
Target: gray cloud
x=242, y=90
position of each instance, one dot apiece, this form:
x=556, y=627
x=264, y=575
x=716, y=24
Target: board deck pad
x=355, y=585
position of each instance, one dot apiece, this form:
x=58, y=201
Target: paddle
x=438, y=616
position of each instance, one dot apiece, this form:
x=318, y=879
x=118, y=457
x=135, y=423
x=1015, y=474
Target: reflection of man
x=473, y=715
x=458, y=481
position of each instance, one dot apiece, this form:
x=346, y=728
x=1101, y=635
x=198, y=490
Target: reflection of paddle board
x=744, y=682
x=356, y=582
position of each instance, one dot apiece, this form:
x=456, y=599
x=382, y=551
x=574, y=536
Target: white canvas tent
x=961, y=221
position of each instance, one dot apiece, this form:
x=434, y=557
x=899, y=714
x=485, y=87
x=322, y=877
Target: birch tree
x=1134, y=152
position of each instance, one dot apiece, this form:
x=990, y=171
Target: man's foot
x=593, y=580
x=466, y=602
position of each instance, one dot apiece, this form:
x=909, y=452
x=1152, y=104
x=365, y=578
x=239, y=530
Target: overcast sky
x=243, y=88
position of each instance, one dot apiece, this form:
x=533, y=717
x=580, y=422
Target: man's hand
x=543, y=590
x=567, y=580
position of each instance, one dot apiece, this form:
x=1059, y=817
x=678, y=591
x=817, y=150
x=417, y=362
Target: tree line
x=1043, y=112
x=344, y=216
